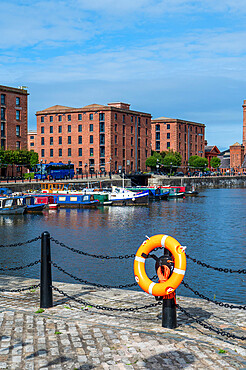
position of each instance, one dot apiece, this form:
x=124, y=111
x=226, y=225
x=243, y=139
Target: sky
x=181, y=59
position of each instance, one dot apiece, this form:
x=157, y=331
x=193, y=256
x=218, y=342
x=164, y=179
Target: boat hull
x=13, y=211
x=134, y=201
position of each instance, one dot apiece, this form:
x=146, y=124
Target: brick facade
x=236, y=157
x=13, y=118
x=95, y=137
x=244, y=126
x=185, y=137
x=32, y=141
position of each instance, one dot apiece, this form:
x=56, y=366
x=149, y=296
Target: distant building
x=244, y=126
x=32, y=141
x=185, y=137
x=211, y=151
x=13, y=117
x=95, y=137
x=236, y=157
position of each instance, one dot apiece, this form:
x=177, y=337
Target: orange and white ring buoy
x=160, y=289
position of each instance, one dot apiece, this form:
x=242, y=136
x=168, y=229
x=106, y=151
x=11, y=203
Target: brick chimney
x=244, y=126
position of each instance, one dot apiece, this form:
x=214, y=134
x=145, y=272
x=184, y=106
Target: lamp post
x=41, y=169
x=110, y=159
x=157, y=165
x=171, y=164
x=69, y=169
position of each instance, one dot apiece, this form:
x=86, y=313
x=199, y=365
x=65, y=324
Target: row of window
x=157, y=128
x=17, y=114
x=3, y=100
x=69, y=117
x=69, y=152
x=69, y=128
x=3, y=129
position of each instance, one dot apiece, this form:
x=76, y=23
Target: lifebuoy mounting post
x=171, y=247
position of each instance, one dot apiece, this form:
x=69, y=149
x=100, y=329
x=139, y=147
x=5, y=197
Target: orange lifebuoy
x=169, y=286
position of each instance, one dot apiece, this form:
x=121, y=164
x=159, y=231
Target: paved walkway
x=75, y=336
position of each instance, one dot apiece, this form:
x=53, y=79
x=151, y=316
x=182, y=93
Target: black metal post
x=169, y=314
x=46, y=299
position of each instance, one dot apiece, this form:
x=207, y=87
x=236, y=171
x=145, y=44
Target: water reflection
x=212, y=226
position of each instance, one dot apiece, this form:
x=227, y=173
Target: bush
x=29, y=175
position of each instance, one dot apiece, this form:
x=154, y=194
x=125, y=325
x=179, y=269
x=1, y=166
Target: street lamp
x=41, y=169
x=171, y=164
x=157, y=165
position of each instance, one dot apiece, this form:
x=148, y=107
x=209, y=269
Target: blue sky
x=175, y=58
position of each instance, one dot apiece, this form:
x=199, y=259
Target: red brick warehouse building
x=13, y=118
x=185, y=137
x=95, y=137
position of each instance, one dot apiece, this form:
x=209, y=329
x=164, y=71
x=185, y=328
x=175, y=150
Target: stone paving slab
x=72, y=335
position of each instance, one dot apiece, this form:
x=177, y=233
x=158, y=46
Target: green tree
x=215, y=162
x=198, y=162
x=151, y=162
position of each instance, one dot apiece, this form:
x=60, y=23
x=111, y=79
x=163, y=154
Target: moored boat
x=122, y=197
x=30, y=202
x=10, y=206
x=48, y=201
x=76, y=200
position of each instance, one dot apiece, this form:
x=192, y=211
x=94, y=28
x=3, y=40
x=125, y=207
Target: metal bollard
x=46, y=299
x=169, y=314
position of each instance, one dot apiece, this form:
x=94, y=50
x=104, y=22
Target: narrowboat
x=30, y=202
x=123, y=197
x=48, y=201
x=76, y=200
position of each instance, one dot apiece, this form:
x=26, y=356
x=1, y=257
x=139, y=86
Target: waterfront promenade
x=75, y=336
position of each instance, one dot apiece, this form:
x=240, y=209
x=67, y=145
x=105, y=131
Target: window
x=42, y=129
x=115, y=127
x=168, y=145
x=17, y=145
x=146, y=142
x=2, y=130
x=115, y=166
x=168, y=135
x=123, y=141
x=17, y=130
x=157, y=145
x=157, y=128
x=60, y=152
x=115, y=139
x=17, y=101
x=91, y=152
x=69, y=117
x=123, y=153
x=69, y=128
x=115, y=116
x=59, y=118
x=42, y=152
x=31, y=144
x=168, y=126
x=146, y=121
x=31, y=137
x=102, y=152
x=79, y=128
x=80, y=163
x=42, y=140
x=60, y=140
x=101, y=126
x=124, y=129
x=138, y=131
x=79, y=117
x=17, y=115
x=101, y=116
x=69, y=152
x=138, y=142
x=42, y=119
x=146, y=132
x=91, y=139
x=115, y=152
x=80, y=140
x=51, y=140
x=131, y=152
x=131, y=118
x=51, y=118
x=139, y=120
x=51, y=129
x=131, y=140
x=146, y=153
x=91, y=127
x=131, y=129
x=102, y=139
x=51, y=152
x=80, y=152
x=123, y=118
x=3, y=99
x=2, y=113
x=91, y=116
x=69, y=140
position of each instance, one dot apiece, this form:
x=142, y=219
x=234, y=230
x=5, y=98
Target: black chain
x=20, y=267
x=20, y=289
x=100, y=256
x=221, y=304
x=95, y=284
x=81, y=301
x=220, y=269
x=20, y=244
x=209, y=327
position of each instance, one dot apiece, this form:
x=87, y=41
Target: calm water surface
x=212, y=226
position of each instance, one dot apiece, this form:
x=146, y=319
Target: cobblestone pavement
x=75, y=336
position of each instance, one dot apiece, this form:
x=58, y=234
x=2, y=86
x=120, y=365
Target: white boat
x=122, y=197
x=9, y=206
